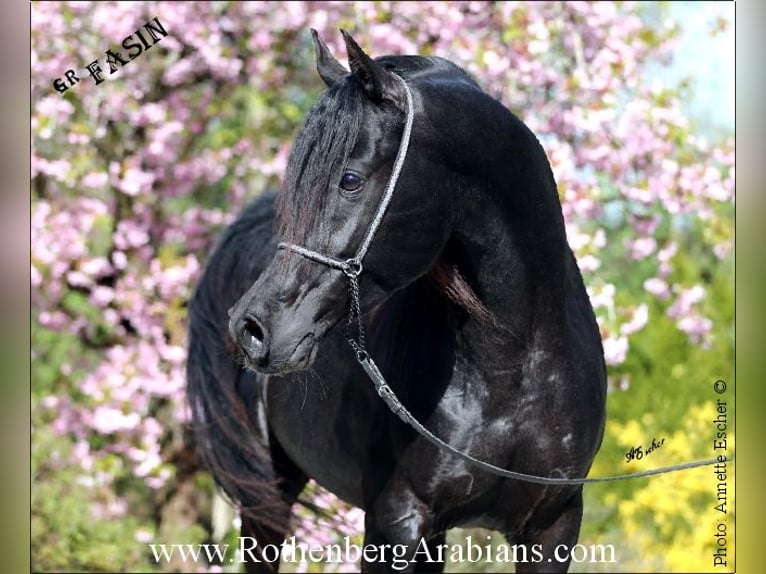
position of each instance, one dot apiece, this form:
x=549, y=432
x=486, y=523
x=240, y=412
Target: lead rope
x=395, y=405
x=352, y=268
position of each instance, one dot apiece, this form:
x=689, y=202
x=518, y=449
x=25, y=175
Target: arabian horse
x=472, y=303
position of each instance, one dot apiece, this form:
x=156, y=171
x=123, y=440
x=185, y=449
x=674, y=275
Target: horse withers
x=473, y=306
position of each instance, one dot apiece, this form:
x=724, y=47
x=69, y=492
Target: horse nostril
x=254, y=329
x=250, y=336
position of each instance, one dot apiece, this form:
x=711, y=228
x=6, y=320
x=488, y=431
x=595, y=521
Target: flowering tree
x=133, y=178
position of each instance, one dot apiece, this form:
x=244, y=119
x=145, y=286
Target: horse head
x=338, y=171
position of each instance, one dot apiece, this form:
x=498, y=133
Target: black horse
x=475, y=312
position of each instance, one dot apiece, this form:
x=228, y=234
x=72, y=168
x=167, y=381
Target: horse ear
x=378, y=82
x=330, y=70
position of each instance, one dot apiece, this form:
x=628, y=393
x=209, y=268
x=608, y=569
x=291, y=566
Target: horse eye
x=351, y=182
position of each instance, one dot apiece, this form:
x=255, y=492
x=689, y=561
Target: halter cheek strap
x=352, y=268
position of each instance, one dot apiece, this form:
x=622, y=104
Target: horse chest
x=321, y=427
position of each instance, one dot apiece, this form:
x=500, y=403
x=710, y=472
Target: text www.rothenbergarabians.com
x=398, y=556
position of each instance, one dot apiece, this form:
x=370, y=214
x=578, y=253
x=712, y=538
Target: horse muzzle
x=278, y=324
x=266, y=353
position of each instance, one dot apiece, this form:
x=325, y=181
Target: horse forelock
x=319, y=153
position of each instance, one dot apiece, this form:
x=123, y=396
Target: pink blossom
x=95, y=180
x=686, y=299
x=96, y=267
x=151, y=113
x=148, y=464
x=143, y=536
x=159, y=480
x=174, y=354
x=120, y=259
x=56, y=169
x=55, y=108
x=615, y=350
x=696, y=327
x=641, y=247
x=50, y=402
x=603, y=297
x=101, y=296
x=589, y=263
x=599, y=239
x=36, y=277
x=665, y=254
x=657, y=287
x=639, y=320
x=129, y=235
x=54, y=320
x=136, y=181
x=108, y=420
x=83, y=455
x=722, y=250
x=78, y=279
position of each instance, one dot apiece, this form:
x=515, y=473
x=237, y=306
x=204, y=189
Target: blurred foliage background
x=133, y=179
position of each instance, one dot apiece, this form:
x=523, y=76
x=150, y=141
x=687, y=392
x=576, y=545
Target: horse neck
x=510, y=231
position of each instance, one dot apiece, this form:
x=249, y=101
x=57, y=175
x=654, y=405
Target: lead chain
x=355, y=317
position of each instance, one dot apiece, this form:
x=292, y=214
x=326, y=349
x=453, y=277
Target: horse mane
x=446, y=277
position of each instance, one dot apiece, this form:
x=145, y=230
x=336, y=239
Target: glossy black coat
x=524, y=390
